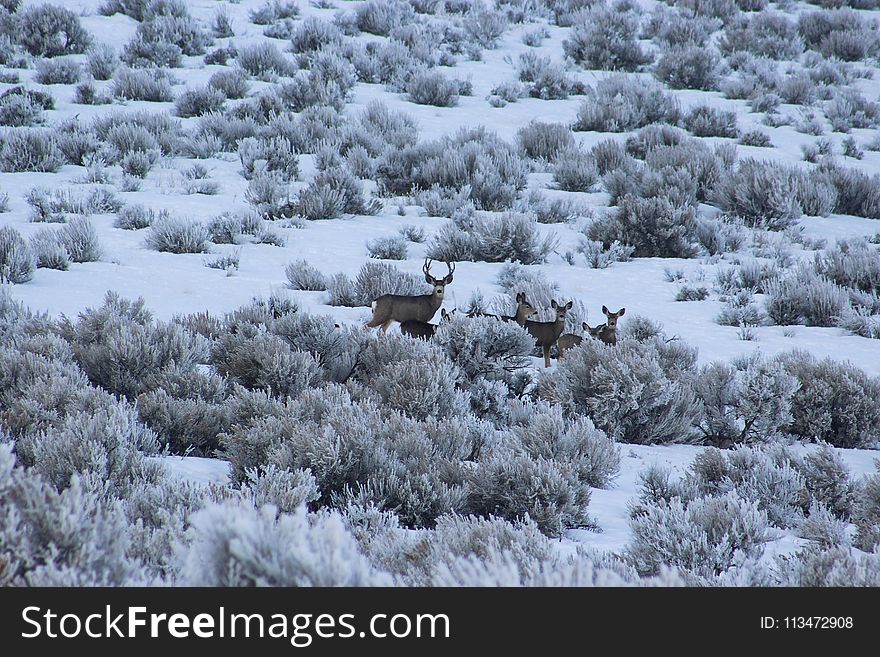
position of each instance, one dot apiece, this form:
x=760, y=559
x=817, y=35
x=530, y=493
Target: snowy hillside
x=200, y=201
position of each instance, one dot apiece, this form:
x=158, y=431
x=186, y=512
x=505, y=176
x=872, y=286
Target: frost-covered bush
x=17, y=261
x=707, y=121
x=849, y=109
x=629, y=390
x=264, y=60
x=834, y=566
x=857, y=193
x=606, y=39
x=303, y=276
x=840, y=33
x=836, y=402
x=80, y=240
x=512, y=486
x=57, y=71
x=688, y=67
x=30, y=150
x=332, y=193
x=20, y=110
x=851, y=263
x=178, y=235
x=381, y=18
x=805, y=297
x=544, y=140
x=543, y=77
x=314, y=34
x=745, y=401
x=491, y=170
x=122, y=349
x=48, y=249
x=102, y=61
x=494, y=238
x=432, y=88
x=387, y=248
x=762, y=194
x=703, y=537
x=268, y=154
x=575, y=170
x=655, y=227
x=234, y=544
x=620, y=103
x=866, y=512
x=196, y=102
x=49, y=31
x=765, y=34
x=483, y=347
x=233, y=83
x=142, y=84
x=167, y=27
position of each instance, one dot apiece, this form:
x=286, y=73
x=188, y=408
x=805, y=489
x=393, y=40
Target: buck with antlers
x=571, y=340
x=402, y=308
x=416, y=329
x=547, y=333
x=524, y=310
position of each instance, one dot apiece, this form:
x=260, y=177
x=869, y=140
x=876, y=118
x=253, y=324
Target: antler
x=451, y=267
x=427, y=269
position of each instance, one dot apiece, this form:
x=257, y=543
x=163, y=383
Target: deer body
x=547, y=333
x=416, y=329
x=402, y=308
x=571, y=340
x=607, y=333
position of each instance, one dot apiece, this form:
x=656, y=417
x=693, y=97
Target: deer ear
x=553, y=304
x=569, y=305
x=519, y=297
x=585, y=326
x=448, y=279
x=604, y=310
x=622, y=312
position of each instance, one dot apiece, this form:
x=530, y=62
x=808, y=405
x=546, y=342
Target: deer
x=607, y=332
x=571, y=340
x=416, y=329
x=401, y=308
x=524, y=310
x=547, y=333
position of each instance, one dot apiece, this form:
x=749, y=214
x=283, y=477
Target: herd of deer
x=415, y=312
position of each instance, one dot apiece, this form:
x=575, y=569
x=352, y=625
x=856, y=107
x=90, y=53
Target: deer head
x=612, y=317
x=560, y=309
x=592, y=332
x=439, y=284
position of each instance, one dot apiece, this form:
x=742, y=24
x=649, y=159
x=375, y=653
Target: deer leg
x=386, y=325
x=546, y=356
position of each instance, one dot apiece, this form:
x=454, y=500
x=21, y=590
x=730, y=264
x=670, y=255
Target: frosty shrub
x=857, y=193
x=606, y=39
x=49, y=31
x=196, y=102
x=178, y=235
x=848, y=109
x=840, y=33
x=264, y=60
x=647, y=405
x=494, y=238
x=851, y=263
x=556, y=210
x=575, y=170
x=599, y=257
x=828, y=481
x=703, y=537
x=48, y=249
x=836, y=402
x=387, y=248
x=609, y=156
x=866, y=512
x=543, y=431
x=762, y=194
x=17, y=261
x=102, y=61
x=432, y=88
x=134, y=217
x=234, y=544
x=80, y=239
x=20, y=110
x=688, y=67
x=269, y=154
x=168, y=24
x=332, y=347
x=544, y=140
x=332, y=193
x=225, y=228
x=142, y=84
x=655, y=227
x=620, y=103
x=30, y=150
x=707, y=121
x=303, y=276
x=233, y=83
x=805, y=297
x=746, y=401
x=122, y=349
x=512, y=486
x=57, y=71
x=834, y=566
x=314, y=34
x=490, y=169
x=765, y=34
x=382, y=17
x=544, y=79
x=484, y=347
